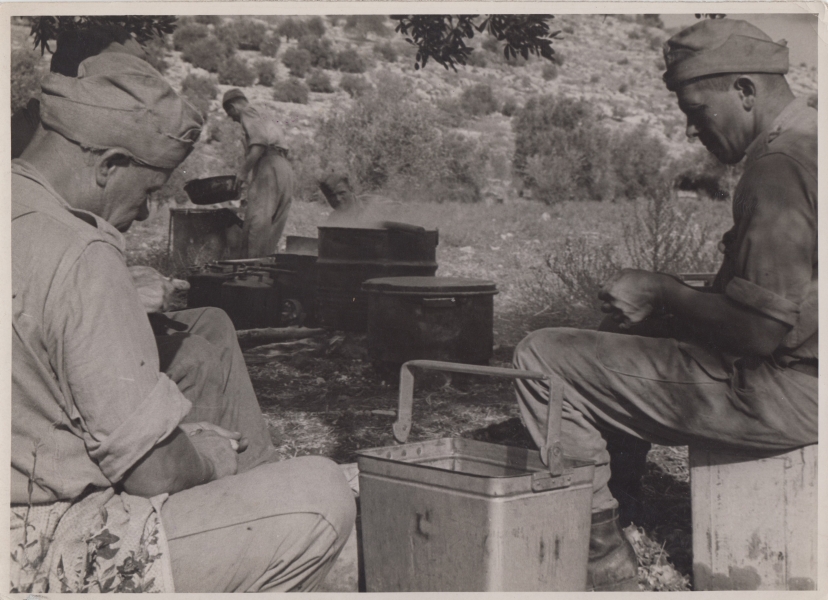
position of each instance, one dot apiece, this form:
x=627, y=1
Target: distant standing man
x=271, y=186
x=733, y=368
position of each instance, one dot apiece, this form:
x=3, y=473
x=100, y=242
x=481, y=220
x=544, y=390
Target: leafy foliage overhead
x=443, y=37
x=144, y=28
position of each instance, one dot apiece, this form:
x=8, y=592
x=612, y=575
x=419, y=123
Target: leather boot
x=613, y=565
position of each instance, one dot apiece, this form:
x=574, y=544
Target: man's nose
x=691, y=131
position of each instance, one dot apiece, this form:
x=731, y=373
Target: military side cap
x=231, y=95
x=720, y=46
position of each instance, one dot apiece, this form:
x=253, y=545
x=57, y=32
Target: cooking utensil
x=212, y=190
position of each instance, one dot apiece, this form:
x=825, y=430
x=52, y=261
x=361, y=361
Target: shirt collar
x=29, y=171
x=782, y=121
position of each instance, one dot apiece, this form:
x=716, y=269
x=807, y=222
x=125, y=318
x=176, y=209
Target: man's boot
x=613, y=565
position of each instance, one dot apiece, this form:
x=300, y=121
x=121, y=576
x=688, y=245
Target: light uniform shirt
x=260, y=129
x=88, y=400
x=770, y=262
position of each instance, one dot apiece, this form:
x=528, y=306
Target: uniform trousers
x=663, y=391
x=274, y=526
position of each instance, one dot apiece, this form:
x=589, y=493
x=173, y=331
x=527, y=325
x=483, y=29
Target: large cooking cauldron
x=349, y=256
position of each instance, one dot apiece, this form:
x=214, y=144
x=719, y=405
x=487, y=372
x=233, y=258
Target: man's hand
x=216, y=445
x=155, y=290
x=631, y=296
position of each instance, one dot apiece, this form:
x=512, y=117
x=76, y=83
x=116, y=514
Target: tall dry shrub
x=207, y=53
x=297, y=60
x=663, y=234
x=320, y=50
x=188, y=33
x=638, y=160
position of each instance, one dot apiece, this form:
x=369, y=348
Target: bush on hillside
x=292, y=28
x=315, y=26
x=25, y=77
x=477, y=59
x=350, y=61
x=292, y=90
x=297, y=60
x=549, y=71
x=510, y=107
x=561, y=153
x=516, y=61
x=236, y=72
x=188, y=33
x=199, y=91
x=387, y=51
x=270, y=46
x=479, y=100
x=490, y=44
x=156, y=53
x=389, y=140
x=365, y=24
x=354, y=85
x=638, y=162
x=207, y=53
x=701, y=172
x=243, y=34
x=320, y=49
x=318, y=81
x=265, y=72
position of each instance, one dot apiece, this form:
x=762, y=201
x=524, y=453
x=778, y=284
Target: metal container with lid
x=437, y=318
x=460, y=515
x=205, y=284
x=200, y=235
x=348, y=256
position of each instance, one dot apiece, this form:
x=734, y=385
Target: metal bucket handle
x=552, y=451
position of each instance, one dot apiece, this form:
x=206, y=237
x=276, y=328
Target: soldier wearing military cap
x=733, y=367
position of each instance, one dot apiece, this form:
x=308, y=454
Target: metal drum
x=251, y=300
x=437, y=318
x=199, y=235
x=205, y=284
x=349, y=256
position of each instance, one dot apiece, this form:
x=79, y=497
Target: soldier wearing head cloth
x=733, y=367
x=153, y=444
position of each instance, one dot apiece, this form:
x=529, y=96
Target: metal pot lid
x=433, y=285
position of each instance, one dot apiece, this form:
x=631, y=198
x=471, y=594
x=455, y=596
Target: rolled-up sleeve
x=103, y=351
x=774, y=263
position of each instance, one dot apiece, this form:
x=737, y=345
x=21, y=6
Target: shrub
x=510, y=107
x=244, y=34
x=479, y=100
x=561, y=153
x=549, y=72
x=189, y=33
x=354, y=85
x=265, y=71
x=315, y=26
x=477, y=59
x=365, y=24
x=207, y=53
x=638, y=161
x=583, y=266
x=350, y=61
x=702, y=173
x=558, y=58
x=624, y=61
x=389, y=140
x=320, y=49
x=270, y=46
x=214, y=20
x=291, y=90
x=297, y=61
x=623, y=88
x=156, y=54
x=387, y=51
x=236, y=72
x=568, y=29
x=25, y=78
x=491, y=44
x=199, y=91
x=292, y=28
x=650, y=21
x=595, y=79
x=318, y=81
x=516, y=61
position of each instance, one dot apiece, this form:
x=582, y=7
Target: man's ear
x=747, y=91
x=107, y=163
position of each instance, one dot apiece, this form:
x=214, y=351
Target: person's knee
x=339, y=506
x=215, y=325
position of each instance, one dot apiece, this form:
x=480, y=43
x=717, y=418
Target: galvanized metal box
x=461, y=515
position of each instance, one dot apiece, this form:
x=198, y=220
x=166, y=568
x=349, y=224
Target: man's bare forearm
x=254, y=153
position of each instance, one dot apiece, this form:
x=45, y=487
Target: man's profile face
x=718, y=119
x=127, y=193
x=233, y=111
